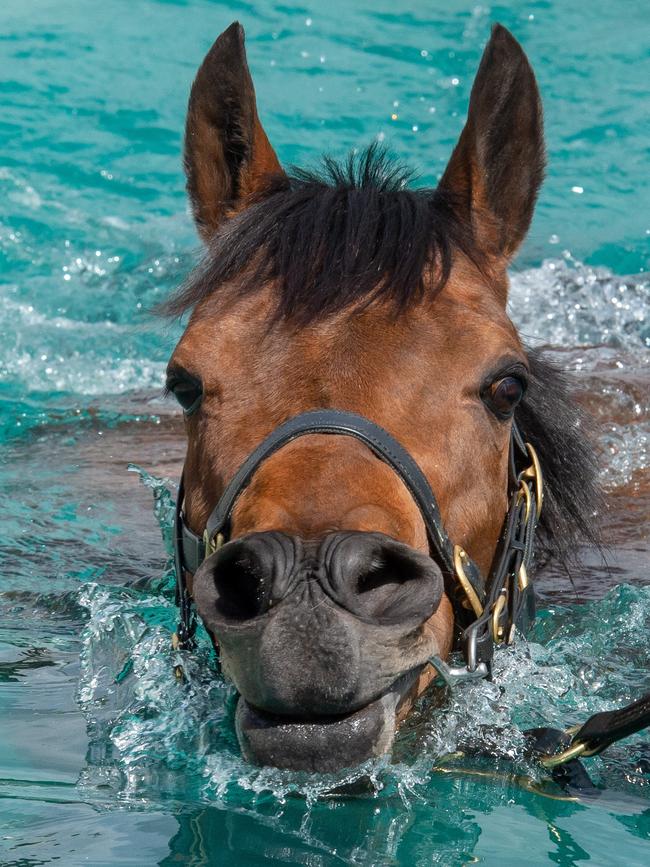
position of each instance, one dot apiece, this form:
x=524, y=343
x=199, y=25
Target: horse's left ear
x=497, y=167
x=227, y=154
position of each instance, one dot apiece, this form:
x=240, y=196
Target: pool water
x=105, y=758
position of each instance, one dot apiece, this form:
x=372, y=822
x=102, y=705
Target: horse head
x=345, y=290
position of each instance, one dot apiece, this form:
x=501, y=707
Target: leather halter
x=486, y=612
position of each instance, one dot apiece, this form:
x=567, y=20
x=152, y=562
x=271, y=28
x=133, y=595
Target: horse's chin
x=328, y=744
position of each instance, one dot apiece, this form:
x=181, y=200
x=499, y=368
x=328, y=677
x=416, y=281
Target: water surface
x=105, y=758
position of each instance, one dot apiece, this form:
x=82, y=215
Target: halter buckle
x=522, y=577
x=524, y=493
x=212, y=545
x=534, y=473
x=499, y=630
x=460, y=557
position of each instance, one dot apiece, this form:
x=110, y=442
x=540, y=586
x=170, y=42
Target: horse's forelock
x=350, y=233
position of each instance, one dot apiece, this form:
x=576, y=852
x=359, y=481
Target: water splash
x=154, y=737
x=567, y=303
x=164, y=503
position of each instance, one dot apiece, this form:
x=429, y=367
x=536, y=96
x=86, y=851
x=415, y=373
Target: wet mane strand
x=348, y=233
x=550, y=419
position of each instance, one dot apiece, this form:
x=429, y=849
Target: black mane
x=349, y=233
x=550, y=419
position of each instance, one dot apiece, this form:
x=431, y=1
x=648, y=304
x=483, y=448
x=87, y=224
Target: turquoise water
x=104, y=757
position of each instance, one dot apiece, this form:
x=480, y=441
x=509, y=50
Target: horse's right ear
x=227, y=154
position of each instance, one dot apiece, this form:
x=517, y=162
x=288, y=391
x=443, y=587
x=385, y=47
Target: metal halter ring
x=454, y=675
x=573, y=751
x=534, y=473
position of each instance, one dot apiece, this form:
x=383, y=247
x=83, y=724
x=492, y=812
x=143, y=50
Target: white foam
x=565, y=303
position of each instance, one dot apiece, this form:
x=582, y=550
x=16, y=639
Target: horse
x=366, y=431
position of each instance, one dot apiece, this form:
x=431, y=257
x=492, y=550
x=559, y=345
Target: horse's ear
x=497, y=167
x=227, y=154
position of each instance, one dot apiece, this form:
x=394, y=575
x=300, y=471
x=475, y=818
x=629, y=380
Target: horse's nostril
x=380, y=579
x=244, y=573
x=388, y=572
x=240, y=580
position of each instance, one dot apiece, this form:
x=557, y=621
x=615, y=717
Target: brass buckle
x=524, y=492
x=465, y=583
x=498, y=631
x=573, y=751
x=212, y=545
x=534, y=473
x=522, y=577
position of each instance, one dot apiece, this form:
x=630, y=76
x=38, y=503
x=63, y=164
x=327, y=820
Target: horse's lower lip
x=322, y=745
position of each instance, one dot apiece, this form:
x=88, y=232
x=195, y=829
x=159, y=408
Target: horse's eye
x=504, y=395
x=188, y=391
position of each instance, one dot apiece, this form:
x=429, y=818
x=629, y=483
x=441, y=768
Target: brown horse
x=348, y=291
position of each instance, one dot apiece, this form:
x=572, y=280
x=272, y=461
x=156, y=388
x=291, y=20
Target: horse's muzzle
x=322, y=639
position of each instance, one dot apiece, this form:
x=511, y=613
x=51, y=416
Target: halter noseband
x=486, y=612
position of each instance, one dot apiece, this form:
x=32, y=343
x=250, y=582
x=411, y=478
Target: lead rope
x=597, y=734
x=559, y=752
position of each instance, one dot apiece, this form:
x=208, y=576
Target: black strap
x=605, y=728
x=193, y=549
x=189, y=553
